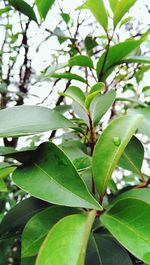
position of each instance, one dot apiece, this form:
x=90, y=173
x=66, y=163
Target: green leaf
x=81, y=112
x=132, y=157
x=17, y=217
x=68, y=76
x=100, y=104
x=115, y=56
x=15, y=121
x=95, y=89
x=128, y=220
x=39, y=226
x=81, y=60
x=117, y=135
x=66, y=17
x=73, y=234
x=4, y=172
x=103, y=249
x=57, y=180
x=124, y=21
x=97, y=8
x=90, y=43
x=145, y=125
x=121, y=9
x=137, y=59
x=76, y=94
x=3, y=187
x=113, y=4
x=28, y=261
x=44, y=6
x=24, y=8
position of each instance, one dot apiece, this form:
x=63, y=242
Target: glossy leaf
x=81, y=60
x=28, y=261
x=73, y=234
x=17, y=217
x=132, y=157
x=69, y=76
x=117, y=135
x=103, y=249
x=145, y=125
x=24, y=8
x=100, y=104
x=80, y=112
x=97, y=8
x=57, y=181
x=116, y=54
x=44, y=6
x=39, y=226
x=128, y=220
x=76, y=94
x=15, y=121
x=121, y=9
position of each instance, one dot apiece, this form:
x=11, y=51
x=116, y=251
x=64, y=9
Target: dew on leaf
x=117, y=140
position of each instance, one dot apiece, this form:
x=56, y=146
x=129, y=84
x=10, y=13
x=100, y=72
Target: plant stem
x=92, y=143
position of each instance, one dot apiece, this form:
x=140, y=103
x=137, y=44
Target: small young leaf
x=44, y=6
x=73, y=234
x=24, y=8
x=51, y=176
x=128, y=220
x=76, y=94
x=81, y=60
x=104, y=160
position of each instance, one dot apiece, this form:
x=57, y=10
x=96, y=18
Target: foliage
x=81, y=194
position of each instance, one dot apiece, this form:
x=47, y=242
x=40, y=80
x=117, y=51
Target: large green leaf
x=4, y=172
x=132, y=157
x=115, y=56
x=103, y=249
x=73, y=233
x=17, y=217
x=44, y=6
x=115, y=137
x=128, y=220
x=121, y=9
x=81, y=60
x=24, y=8
x=145, y=125
x=39, y=226
x=98, y=10
x=51, y=176
x=69, y=76
x=100, y=104
x=26, y=120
